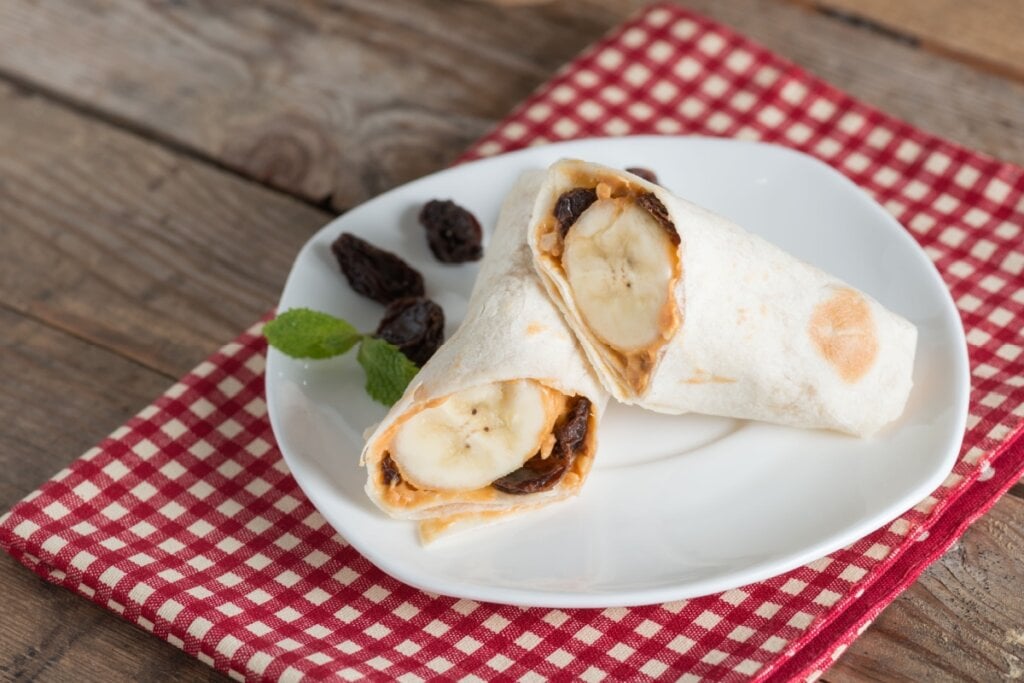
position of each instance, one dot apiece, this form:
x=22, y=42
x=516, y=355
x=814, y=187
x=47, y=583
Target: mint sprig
x=388, y=371
x=305, y=333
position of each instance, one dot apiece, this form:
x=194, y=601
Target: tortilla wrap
x=512, y=332
x=748, y=331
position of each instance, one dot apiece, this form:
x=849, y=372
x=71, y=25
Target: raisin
x=653, y=206
x=645, y=173
x=453, y=233
x=389, y=471
x=571, y=204
x=415, y=325
x=375, y=273
x=571, y=433
x=536, y=474
x=540, y=474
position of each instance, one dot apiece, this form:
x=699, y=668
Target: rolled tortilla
x=503, y=418
x=680, y=310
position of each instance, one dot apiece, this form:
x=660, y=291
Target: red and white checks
x=186, y=522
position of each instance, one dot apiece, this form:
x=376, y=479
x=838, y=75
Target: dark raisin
x=540, y=474
x=645, y=173
x=415, y=325
x=653, y=206
x=389, y=471
x=572, y=431
x=375, y=273
x=453, y=233
x=571, y=205
x=537, y=474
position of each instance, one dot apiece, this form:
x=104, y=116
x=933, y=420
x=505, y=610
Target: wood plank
x=143, y=251
x=282, y=91
x=339, y=102
x=989, y=33
x=962, y=620
x=60, y=395
x=131, y=246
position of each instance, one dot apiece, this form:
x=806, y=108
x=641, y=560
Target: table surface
x=162, y=162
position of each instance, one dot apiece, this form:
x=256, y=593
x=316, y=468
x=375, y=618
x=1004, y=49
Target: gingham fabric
x=186, y=522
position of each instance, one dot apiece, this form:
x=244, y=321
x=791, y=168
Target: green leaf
x=388, y=371
x=304, y=333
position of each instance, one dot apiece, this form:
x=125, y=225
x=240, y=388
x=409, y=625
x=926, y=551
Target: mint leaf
x=388, y=371
x=304, y=333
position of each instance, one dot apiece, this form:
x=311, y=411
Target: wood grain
x=989, y=33
x=962, y=620
x=337, y=102
x=60, y=396
x=316, y=99
x=130, y=246
x=122, y=264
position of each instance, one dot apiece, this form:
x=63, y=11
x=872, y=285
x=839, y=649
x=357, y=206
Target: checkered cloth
x=186, y=522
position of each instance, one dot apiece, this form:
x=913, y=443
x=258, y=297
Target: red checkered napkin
x=186, y=522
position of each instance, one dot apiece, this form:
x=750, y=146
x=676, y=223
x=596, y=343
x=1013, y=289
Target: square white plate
x=676, y=507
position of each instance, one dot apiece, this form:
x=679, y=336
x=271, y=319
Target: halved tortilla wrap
x=680, y=310
x=503, y=418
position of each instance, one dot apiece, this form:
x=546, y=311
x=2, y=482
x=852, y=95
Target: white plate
x=676, y=507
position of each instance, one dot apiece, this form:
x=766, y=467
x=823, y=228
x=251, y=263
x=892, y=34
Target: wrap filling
x=513, y=437
x=618, y=250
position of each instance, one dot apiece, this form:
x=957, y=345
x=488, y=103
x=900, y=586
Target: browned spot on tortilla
x=843, y=331
x=704, y=377
x=534, y=328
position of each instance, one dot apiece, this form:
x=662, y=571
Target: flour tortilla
x=512, y=331
x=761, y=332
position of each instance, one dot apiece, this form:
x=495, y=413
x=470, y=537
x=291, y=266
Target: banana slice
x=619, y=263
x=474, y=436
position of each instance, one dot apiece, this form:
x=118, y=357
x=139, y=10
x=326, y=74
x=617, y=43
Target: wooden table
x=161, y=163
